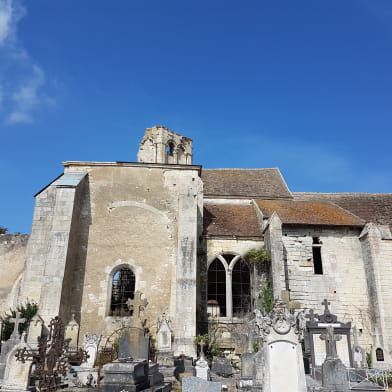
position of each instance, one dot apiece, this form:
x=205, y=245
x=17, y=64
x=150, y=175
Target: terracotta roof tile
x=245, y=183
x=233, y=220
x=371, y=207
x=309, y=212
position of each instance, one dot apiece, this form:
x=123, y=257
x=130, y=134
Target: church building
x=178, y=234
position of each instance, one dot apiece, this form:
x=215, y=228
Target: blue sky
x=305, y=86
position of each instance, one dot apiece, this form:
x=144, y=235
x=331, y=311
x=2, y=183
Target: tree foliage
x=3, y=230
x=257, y=256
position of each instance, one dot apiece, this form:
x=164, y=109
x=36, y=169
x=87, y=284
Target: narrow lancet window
x=317, y=261
x=379, y=355
x=123, y=288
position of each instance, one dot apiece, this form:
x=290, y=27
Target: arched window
x=170, y=149
x=123, y=288
x=379, y=354
x=241, y=288
x=217, y=285
x=229, y=284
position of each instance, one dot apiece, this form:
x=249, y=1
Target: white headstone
x=164, y=334
x=91, y=343
x=283, y=363
x=202, y=368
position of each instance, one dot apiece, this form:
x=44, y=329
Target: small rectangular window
x=317, y=262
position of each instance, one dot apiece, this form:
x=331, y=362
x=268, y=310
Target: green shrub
x=210, y=348
x=267, y=297
x=257, y=256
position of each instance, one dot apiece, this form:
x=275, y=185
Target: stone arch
x=121, y=286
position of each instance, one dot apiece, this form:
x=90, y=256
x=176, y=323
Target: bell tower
x=161, y=145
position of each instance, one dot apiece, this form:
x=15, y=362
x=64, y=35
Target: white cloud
x=6, y=11
x=23, y=90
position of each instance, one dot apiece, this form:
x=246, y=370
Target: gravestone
x=86, y=373
x=334, y=373
x=17, y=374
x=317, y=325
x=221, y=366
x=90, y=345
x=36, y=330
x=196, y=384
x=133, y=344
x=202, y=369
x=164, y=334
x=13, y=341
x=130, y=375
x=280, y=365
x=359, y=354
x=72, y=332
x=164, y=355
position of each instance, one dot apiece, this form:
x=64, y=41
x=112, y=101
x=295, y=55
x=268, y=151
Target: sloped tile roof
x=371, y=207
x=309, y=213
x=245, y=183
x=233, y=220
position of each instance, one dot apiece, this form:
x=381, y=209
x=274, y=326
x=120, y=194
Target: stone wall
x=146, y=218
x=12, y=259
x=343, y=281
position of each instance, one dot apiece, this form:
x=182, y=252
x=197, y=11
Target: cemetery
x=283, y=350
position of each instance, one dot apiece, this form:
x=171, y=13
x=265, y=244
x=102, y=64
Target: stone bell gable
x=160, y=145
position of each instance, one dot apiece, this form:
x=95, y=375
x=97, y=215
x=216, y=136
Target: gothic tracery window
x=123, y=288
x=229, y=285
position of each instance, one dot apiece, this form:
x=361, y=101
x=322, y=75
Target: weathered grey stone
x=133, y=344
x=131, y=376
x=221, y=366
x=196, y=384
x=247, y=365
x=334, y=375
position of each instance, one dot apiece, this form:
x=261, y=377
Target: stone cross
x=326, y=303
x=137, y=304
x=330, y=342
x=285, y=297
x=17, y=320
x=312, y=316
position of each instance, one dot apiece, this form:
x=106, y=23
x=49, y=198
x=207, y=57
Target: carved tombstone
x=283, y=363
x=202, y=368
x=72, y=332
x=164, y=334
x=36, y=329
x=91, y=343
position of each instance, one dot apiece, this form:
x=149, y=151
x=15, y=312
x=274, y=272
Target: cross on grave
x=326, y=303
x=285, y=297
x=17, y=320
x=137, y=303
x=312, y=316
x=52, y=356
x=330, y=342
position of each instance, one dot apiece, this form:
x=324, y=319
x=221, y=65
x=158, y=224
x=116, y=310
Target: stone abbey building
x=177, y=233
